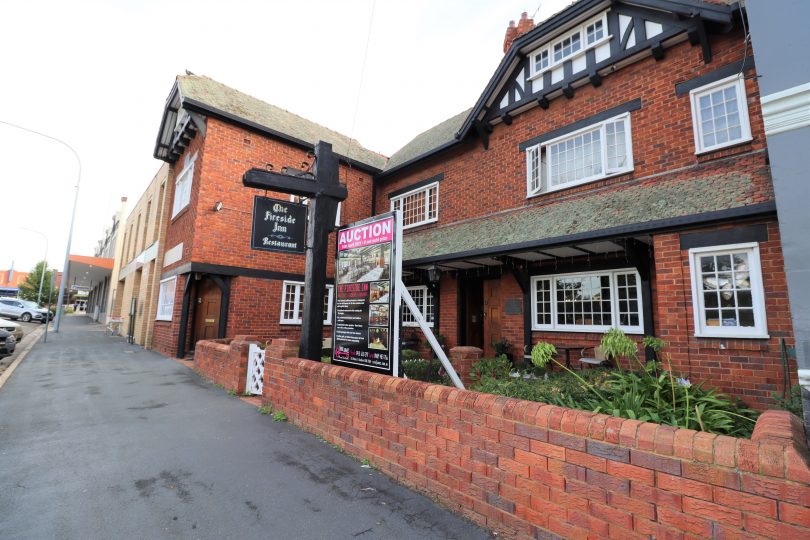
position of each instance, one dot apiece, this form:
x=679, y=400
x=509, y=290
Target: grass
x=279, y=416
x=265, y=409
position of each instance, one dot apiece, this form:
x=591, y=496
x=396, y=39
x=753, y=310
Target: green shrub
x=495, y=368
x=409, y=354
x=615, y=344
x=542, y=354
x=545, y=390
x=424, y=370
x=792, y=402
x=502, y=347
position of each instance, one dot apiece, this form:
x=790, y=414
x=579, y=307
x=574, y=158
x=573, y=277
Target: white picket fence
x=255, y=374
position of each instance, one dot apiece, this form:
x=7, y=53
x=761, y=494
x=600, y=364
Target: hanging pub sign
x=367, y=270
x=279, y=225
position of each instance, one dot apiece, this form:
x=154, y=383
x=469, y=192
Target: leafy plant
x=543, y=353
x=547, y=390
x=265, y=409
x=424, y=370
x=654, y=343
x=792, y=402
x=502, y=347
x=409, y=354
x=232, y=392
x=615, y=344
x=279, y=416
x=495, y=368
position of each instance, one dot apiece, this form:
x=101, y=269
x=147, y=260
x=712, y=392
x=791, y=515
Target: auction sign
x=279, y=225
x=367, y=271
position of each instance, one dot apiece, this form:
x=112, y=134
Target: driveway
x=100, y=439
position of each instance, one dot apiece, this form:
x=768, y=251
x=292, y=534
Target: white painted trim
x=182, y=186
x=804, y=378
x=760, y=328
x=422, y=307
x=298, y=309
x=628, y=136
x=549, y=45
x=158, y=315
x=426, y=189
x=786, y=110
x=614, y=304
x=742, y=106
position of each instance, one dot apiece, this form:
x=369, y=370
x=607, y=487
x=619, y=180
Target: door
x=206, y=311
x=474, y=314
x=492, y=315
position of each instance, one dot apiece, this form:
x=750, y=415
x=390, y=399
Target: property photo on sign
x=279, y=225
x=368, y=269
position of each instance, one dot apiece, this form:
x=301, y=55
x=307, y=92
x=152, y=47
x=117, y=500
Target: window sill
x=703, y=152
x=413, y=226
x=704, y=335
x=415, y=325
x=587, y=330
x=180, y=213
x=298, y=323
x=161, y=319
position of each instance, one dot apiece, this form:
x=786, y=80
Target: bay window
x=591, y=302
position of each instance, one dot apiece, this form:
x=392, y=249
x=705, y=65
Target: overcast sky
x=96, y=75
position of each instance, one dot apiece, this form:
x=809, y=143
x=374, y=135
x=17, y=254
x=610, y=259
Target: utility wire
x=362, y=77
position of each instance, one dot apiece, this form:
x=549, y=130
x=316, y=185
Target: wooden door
x=492, y=315
x=206, y=313
x=473, y=314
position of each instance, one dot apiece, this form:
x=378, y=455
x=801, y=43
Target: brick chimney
x=513, y=32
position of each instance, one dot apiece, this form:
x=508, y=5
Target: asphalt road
x=100, y=439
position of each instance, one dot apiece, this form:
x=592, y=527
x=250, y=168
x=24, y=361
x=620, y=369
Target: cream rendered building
x=139, y=262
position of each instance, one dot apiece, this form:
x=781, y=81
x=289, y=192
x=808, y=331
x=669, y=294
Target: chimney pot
x=513, y=32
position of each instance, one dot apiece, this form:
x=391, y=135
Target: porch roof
x=639, y=207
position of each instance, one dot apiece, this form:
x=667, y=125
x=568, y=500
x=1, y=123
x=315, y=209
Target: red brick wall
x=531, y=469
x=224, y=361
x=750, y=369
x=167, y=333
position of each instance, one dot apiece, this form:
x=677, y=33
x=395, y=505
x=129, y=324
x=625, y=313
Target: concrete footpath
x=101, y=439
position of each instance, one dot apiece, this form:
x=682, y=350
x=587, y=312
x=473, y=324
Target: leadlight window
x=588, y=302
x=727, y=291
x=424, y=301
x=419, y=206
x=166, y=299
x=596, y=152
x=720, y=114
x=292, y=303
x=182, y=186
x=571, y=45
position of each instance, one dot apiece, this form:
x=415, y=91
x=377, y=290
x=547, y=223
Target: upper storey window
x=418, y=206
x=591, y=33
x=182, y=186
x=595, y=152
x=720, y=114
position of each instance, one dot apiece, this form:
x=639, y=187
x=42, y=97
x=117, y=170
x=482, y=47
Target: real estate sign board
x=278, y=225
x=366, y=309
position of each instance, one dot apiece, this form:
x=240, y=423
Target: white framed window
x=305, y=201
x=165, y=306
x=419, y=206
x=292, y=303
x=720, y=114
x=595, y=152
x=727, y=292
x=182, y=186
x=576, y=42
x=424, y=301
x=588, y=302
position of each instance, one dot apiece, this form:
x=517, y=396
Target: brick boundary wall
x=535, y=470
x=224, y=361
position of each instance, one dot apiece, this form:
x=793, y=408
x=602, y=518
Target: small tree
x=29, y=289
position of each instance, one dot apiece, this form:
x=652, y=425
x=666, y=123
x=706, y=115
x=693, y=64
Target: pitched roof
x=437, y=136
x=637, y=207
x=212, y=95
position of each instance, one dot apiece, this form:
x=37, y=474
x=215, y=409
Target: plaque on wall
x=514, y=306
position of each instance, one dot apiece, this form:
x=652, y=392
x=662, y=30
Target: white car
x=24, y=310
x=12, y=328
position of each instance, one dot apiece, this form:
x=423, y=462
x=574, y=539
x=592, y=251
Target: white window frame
x=544, y=168
x=298, y=309
x=584, y=46
x=305, y=202
x=736, y=81
x=422, y=307
x=428, y=202
x=760, y=328
x=614, y=303
x=161, y=315
x=182, y=186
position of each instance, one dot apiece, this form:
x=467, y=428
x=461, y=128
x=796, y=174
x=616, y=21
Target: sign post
x=51, y=287
x=366, y=312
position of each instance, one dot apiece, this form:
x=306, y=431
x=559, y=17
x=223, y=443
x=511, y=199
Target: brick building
x=213, y=284
x=614, y=172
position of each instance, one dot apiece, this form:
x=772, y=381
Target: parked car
x=7, y=343
x=13, y=328
x=24, y=310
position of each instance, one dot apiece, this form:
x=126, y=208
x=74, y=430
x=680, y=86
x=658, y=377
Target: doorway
x=472, y=322
x=206, y=311
x=492, y=315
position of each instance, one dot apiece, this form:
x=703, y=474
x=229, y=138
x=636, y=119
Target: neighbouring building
x=212, y=283
x=97, y=302
x=88, y=282
x=10, y=281
x=613, y=173
x=139, y=262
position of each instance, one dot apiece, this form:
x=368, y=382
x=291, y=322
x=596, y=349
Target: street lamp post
x=45, y=261
x=72, y=219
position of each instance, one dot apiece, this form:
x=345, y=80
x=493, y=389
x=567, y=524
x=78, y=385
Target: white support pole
x=406, y=296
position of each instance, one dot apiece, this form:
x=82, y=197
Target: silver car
x=26, y=311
